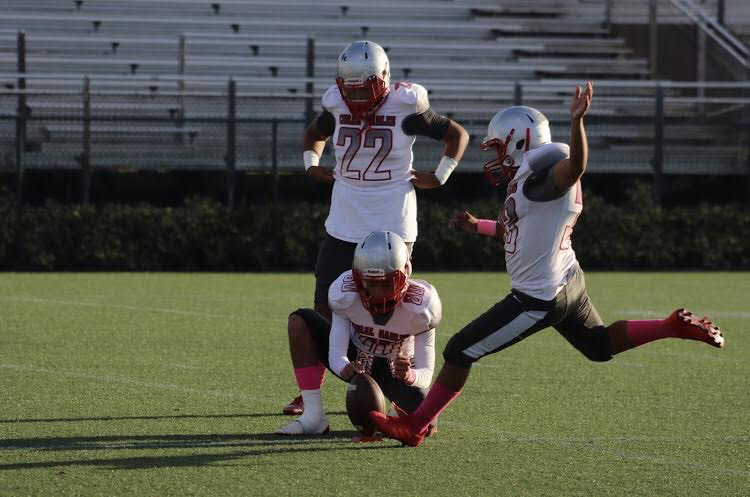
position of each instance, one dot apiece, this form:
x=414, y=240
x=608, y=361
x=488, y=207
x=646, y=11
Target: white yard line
x=597, y=444
x=137, y=308
x=35, y=300
x=122, y=380
x=145, y=444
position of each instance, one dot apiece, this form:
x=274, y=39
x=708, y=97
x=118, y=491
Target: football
x=362, y=396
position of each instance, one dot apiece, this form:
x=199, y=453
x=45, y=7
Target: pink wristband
x=486, y=227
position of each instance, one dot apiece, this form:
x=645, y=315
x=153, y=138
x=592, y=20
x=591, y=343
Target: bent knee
x=453, y=354
x=296, y=325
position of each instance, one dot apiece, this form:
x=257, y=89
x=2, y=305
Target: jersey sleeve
x=540, y=186
x=330, y=98
x=546, y=156
x=338, y=343
x=433, y=309
x=342, y=293
x=424, y=358
x=413, y=96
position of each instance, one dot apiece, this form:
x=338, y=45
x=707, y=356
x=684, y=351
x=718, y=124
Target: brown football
x=362, y=396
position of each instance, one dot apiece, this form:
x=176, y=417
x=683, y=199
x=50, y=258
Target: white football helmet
x=381, y=269
x=363, y=77
x=511, y=133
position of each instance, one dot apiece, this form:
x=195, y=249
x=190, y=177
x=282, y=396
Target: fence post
x=275, y=191
x=20, y=145
x=746, y=123
x=517, y=93
x=86, y=155
x=181, y=54
x=653, y=19
x=231, y=155
x=720, y=12
x=309, y=87
x=607, y=23
x=658, y=160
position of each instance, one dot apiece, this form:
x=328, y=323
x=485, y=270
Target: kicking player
x=547, y=284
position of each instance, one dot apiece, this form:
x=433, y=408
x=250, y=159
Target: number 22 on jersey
x=351, y=169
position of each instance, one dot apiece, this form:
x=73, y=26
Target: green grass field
x=171, y=384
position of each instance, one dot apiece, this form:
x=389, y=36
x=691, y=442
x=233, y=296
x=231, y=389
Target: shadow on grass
x=250, y=445
x=142, y=418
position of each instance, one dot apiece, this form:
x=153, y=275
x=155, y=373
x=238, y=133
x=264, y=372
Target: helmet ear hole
x=520, y=144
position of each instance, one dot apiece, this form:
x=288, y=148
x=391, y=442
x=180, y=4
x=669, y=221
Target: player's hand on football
x=581, y=101
x=401, y=368
x=321, y=174
x=424, y=180
x=351, y=370
x=464, y=221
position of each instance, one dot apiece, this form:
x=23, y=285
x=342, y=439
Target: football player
x=542, y=204
x=372, y=124
x=383, y=324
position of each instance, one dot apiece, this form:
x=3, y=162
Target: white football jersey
x=372, y=190
x=538, y=251
x=410, y=330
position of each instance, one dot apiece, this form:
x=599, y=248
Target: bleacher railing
x=634, y=127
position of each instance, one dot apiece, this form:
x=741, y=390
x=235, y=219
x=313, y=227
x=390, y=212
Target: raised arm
x=568, y=171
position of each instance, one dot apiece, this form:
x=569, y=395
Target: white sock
x=313, y=405
x=313, y=421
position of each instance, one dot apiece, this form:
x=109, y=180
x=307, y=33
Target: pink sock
x=310, y=377
x=437, y=400
x=640, y=332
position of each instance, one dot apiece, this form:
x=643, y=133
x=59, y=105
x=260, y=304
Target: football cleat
x=295, y=407
x=397, y=427
x=301, y=427
x=690, y=327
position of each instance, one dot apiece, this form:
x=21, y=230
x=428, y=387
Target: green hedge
x=203, y=235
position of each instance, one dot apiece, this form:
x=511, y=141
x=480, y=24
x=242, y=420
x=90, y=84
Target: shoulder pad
x=424, y=300
x=413, y=95
x=342, y=293
x=547, y=155
x=331, y=98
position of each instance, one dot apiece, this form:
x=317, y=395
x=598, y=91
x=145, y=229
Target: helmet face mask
x=501, y=170
x=380, y=271
x=363, y=77
x=511, y=133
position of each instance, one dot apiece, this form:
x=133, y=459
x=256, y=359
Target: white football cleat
x=301, y=426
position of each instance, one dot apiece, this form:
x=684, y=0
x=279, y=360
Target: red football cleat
x=397, y=427
x=295, y=407
x=693, y=328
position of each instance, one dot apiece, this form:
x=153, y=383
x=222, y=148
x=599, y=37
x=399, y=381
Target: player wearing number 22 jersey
x=372, y=125
x=543, y=201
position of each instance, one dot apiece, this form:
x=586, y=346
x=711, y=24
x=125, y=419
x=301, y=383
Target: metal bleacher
x=159, y=71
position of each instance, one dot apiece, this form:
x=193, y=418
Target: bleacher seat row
x=159, y=72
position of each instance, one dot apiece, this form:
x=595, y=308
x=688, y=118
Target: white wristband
x=445, y=168
x=310, y=158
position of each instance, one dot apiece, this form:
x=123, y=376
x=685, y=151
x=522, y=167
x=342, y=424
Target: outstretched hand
x=581, y=101
x=424, y=180
x=321, y=174
x=464, y=221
